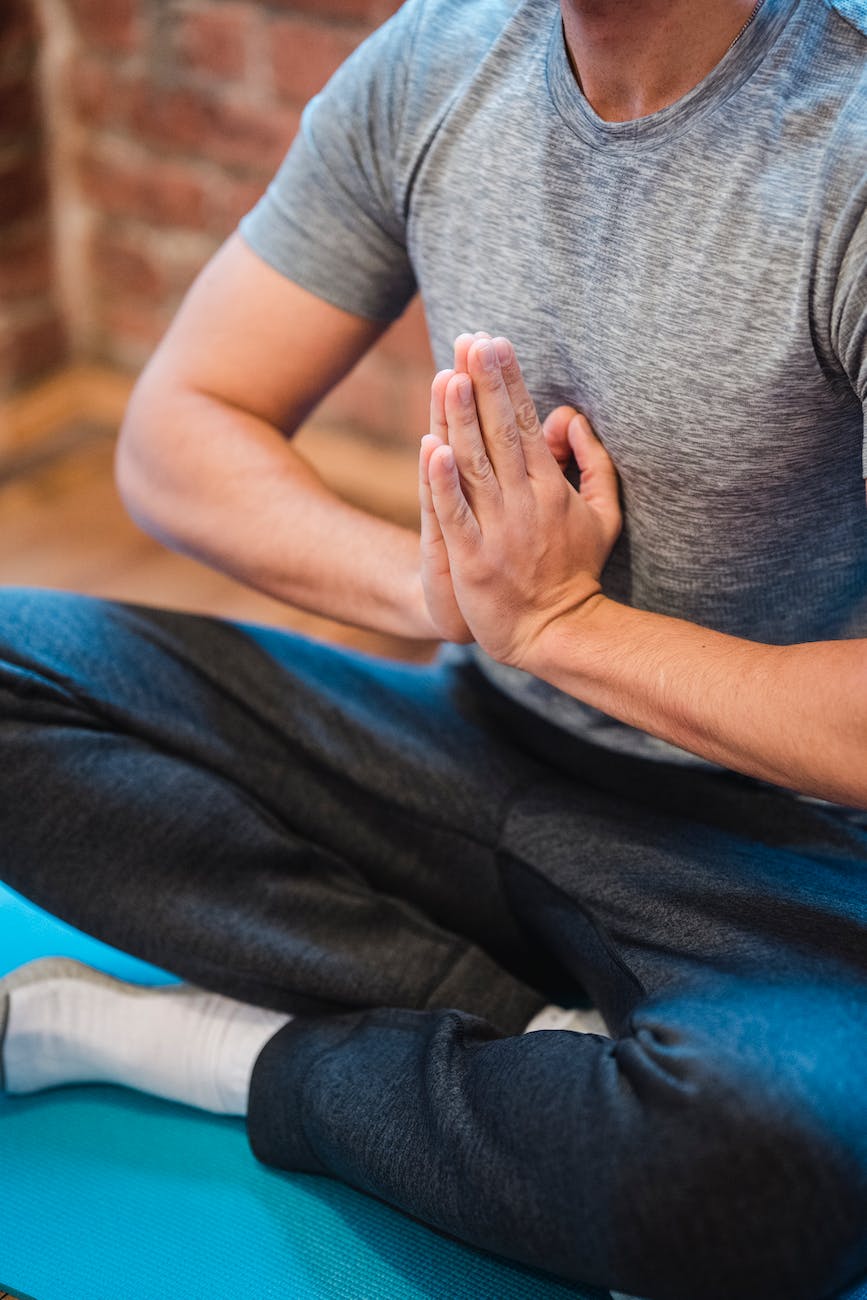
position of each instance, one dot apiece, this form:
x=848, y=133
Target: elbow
x=137, y=458
x=126, y=469
x=130, y=478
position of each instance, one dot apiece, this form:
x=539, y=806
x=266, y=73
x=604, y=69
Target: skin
x=513, y=559
x=205, y=463
x=525, y=552
x=205, y=460
x=634, y=57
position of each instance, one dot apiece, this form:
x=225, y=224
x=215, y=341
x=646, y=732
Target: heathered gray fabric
x=695, y=281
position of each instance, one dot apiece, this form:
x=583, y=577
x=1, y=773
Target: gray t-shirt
x=695, y=281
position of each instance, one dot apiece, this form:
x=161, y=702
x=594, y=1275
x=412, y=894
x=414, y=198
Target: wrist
x=420, y=624
x=577, y=633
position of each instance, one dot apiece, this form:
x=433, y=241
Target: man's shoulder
x=450, y=41
x=471, y=12
x=853, y=11
x=456, y=29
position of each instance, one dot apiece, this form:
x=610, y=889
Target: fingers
x=431, y=535
x=599, y=482
x=459, y=525
x=463, y=343
x=429, y=443
x=496, y=415
x=465, y=437
x=432, y=542
x=556, y=433
x=537, y=455
x=513, y=440
x=438, y=424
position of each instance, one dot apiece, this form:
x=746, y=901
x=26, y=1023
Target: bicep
x=250, y=337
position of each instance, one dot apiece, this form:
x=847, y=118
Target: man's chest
x=680, y=317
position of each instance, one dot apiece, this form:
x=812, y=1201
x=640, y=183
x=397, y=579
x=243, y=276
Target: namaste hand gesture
x=508, y=546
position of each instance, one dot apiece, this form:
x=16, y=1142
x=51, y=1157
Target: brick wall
x=31, y=333
x=168, y=119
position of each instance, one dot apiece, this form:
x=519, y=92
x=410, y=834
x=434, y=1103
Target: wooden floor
x=62, y=524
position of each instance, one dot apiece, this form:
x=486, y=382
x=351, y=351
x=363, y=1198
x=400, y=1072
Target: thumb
x=555, y=430
x=599, y=482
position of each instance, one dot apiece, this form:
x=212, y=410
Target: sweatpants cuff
x=275, y=1127
x=284, y=1067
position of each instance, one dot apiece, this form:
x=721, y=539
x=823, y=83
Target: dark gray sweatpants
x=414, y=865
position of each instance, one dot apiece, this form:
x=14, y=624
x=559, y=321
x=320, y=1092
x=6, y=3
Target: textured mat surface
x=111, y=1195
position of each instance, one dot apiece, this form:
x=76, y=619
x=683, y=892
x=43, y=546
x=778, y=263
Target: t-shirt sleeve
x=849, y=317
x=332, y=219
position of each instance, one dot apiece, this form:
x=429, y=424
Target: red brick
x=99, y=95
x=162, y=193
x=107, y=24
x=176, y=118
x=28, y=350
x=251, y=138
x=18, y=37
x=122, y=267
x=23, y=189
x=304, y=54
x=18, y=17
x=129, y=332
x=228, y=131
x=20, y=112
x=216, y=41
x=26, y=264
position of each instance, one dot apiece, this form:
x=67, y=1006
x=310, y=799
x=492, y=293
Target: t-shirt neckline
x=734, y=68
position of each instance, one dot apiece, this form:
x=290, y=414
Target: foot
x=62, y=1022
x=576, y=1019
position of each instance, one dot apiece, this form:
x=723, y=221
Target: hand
x=523, y=546
x=436, y=578
x=435, y=573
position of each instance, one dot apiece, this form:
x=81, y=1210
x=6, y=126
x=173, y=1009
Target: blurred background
x=134, y=134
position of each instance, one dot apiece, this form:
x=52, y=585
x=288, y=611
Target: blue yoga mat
x=111, y=1195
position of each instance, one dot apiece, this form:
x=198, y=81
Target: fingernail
x=464, y=390
x=487, y=355
x=504, y=351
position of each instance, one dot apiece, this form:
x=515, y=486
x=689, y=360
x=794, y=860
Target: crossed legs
x=377, y=851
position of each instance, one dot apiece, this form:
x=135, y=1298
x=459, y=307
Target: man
x=637, y=767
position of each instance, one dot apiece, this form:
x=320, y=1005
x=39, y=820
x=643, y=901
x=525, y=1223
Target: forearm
x=226, y=487
x=793, y=715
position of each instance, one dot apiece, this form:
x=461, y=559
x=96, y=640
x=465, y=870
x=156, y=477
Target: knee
x=37, y=624
x=753, y=1124
x=51, y=641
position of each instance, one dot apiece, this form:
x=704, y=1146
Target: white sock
x=576, y=1020
x=67, y=1023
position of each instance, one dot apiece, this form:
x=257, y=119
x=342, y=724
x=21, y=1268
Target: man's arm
x=526, y=552
x=205, y=463
x=795, y=715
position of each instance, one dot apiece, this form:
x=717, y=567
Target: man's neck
x=634, y=57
